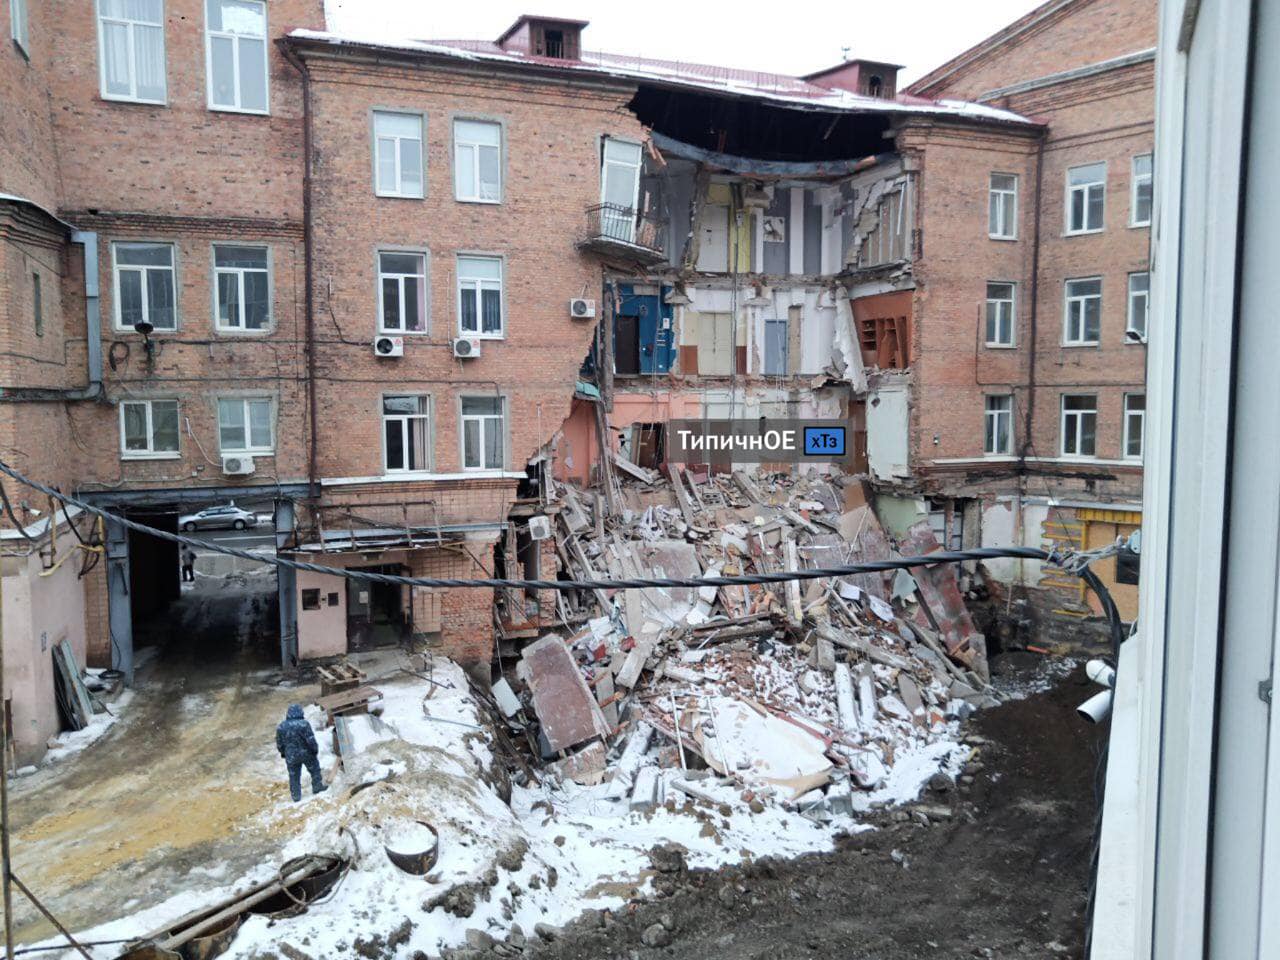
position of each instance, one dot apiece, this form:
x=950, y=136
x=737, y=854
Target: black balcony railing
x=613, y=226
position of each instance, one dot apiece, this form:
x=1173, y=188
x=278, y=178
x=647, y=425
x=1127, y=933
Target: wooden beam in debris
x=682, y=495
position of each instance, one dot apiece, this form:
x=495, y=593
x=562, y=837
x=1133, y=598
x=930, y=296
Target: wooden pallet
x=337, y=677
x=353, y=700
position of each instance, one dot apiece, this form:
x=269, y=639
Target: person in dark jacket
x=188, y=565
x=297, y=744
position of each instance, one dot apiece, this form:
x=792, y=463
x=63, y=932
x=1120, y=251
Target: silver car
x=229, y=517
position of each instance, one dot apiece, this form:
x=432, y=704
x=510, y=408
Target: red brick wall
x=1102, y=118
x=551, y=174
x=28, y=157
x=1083, y=32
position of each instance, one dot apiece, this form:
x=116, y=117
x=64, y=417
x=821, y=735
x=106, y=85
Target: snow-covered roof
x=772, y=87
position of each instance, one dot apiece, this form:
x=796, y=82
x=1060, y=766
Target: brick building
x=1032, y=306
x=392, y=289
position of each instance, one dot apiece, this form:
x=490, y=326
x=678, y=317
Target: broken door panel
x=775, y=226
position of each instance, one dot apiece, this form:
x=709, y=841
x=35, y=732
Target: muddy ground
x=999, y=870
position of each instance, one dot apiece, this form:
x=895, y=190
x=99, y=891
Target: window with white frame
x=148, y=429
x=1002, y=207
x=480, y=297
x=998, y=435
x=20, y=25
x=131, y=50
x=402, y=292
x=1135, y=417
x=242, y=287
x=1079, y=425
x=1086, y=197
x=246, y=425
x=1083, y=318
x=1139, y=301
x=144, y=286
x=397, y=154
x=1000, y=314
x=483, y=433
x=477, y=161
x=406, y=431
x=236, y=54
x=1140, y=195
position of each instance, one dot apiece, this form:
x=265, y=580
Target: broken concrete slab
x=562, y=700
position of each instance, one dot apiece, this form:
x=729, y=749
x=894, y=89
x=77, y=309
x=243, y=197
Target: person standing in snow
x=188, y=565
x=297, y=744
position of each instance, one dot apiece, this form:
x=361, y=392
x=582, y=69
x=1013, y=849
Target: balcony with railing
x=618, y=231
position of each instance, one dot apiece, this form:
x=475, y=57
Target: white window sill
x=117, y=98
x=213, y=108
x=1082, y=344
x=157, y=330
x=246, y=453
x=399, y=196
x=464, y=335
x=1146, y=225
x=135, y=455
x=1001, y=346
x=471, y=474
x=491, y=203
x=996, y=236
x=243, y=332
x=404, y=333
x=1083, y=233
x=484, y=471
x=1078, y=458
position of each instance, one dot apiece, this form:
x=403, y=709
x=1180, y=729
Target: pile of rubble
x=802, y=694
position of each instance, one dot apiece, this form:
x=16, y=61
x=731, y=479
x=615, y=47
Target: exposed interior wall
x=899, y=514
x=1003, y=527
x=577, y=449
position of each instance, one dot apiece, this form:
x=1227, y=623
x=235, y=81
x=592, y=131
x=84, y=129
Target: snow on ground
x=70, y=742
x=550, y=853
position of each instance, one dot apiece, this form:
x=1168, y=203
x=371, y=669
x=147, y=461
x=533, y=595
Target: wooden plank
x=682, y=495
x=78, y=694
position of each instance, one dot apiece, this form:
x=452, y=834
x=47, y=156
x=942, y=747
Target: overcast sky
x=792, y=36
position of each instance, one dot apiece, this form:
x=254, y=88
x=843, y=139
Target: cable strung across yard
x=638, y=583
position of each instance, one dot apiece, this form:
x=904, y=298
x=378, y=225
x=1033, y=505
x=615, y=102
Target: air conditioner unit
x=237, y=466
x=463, y=347
x=539, y=528
x=388, y=346
x=581, y=308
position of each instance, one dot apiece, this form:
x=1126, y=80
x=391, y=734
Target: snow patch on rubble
x=70, y=742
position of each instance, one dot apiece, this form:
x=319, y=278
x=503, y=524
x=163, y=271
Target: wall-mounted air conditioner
x=386, y=346
x=237, y=466
x=466, y=348
x=580, y=308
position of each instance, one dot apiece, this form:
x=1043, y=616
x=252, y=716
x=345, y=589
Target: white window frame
x=1012, y=302
x=1005, y=197
x=425, y=276
x=1137, y=180
x=117, y=268
x=151, y=453
x=133, y=73
x=396, y=139
x=1085, y=187
x=460, y=144
x=403, y=420
x=1129, y=416
x=1068, y=300
x=479, y=285
x=463, y=418
x=20, y=25
x=1077, y=415
x=1145, y=297
x=249, y=450
x=991, y=424
x=239, y=273
x=235, y=59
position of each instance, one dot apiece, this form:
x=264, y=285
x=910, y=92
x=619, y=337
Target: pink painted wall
x=38, y=612
x=578, y=451
x=323, y=632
